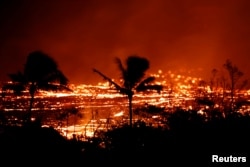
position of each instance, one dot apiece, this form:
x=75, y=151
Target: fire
x=104, y=104
x=119, y=114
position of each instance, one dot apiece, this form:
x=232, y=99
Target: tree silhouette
x=40, y=73
x=224, y=88
x=133, y=79
x=234, y=75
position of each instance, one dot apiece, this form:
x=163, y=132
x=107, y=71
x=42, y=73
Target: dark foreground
x=189, y=142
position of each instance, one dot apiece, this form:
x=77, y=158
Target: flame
x=178, y=89
x=119, y=114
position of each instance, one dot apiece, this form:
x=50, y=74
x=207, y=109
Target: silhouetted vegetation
x=40, y=73
x=133, y=79
x=226, y=92
x=183, y=137
x=190, y=139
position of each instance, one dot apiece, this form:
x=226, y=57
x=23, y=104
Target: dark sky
x=82, y=34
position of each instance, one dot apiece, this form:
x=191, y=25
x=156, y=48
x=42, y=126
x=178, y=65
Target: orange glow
x=102, y=106
x=191, y=36
x=119, y=114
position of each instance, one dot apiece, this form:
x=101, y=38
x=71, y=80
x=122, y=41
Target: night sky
x=190, y=35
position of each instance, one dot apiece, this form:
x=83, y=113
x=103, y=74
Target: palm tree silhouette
x=133, y=79
x=40, y=73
